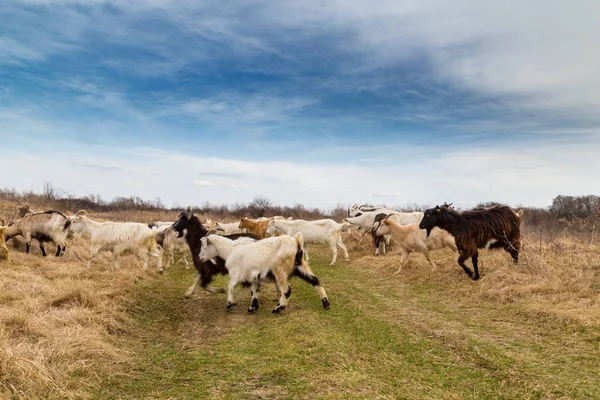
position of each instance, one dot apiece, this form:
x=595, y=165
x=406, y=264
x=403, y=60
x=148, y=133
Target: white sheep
x=318, y=231
x=278, y=258
x=410, y=238
x=117, y=237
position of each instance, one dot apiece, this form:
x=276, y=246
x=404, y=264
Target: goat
x=117, y=237
x=45, y=226
x=356, y=209
x=403, y=218
x=411, y=238
x=318, y=231
x=278, y=257
x=169, y=240
x=367, y=222
x=24, y=210
x=159, y=225
x=259, y=228
x=494, y=227
x=187, y=223
x=3, y=249
x=228, y=228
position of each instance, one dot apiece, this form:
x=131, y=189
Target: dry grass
x=66, y=330
x=57, y=316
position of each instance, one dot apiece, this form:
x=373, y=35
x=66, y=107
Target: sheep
x=189, y=225
x=278, y=257
x=366, y=221
x=259, y=228
x=47, y=226
x=169, y=240
x=228, y=228
x=4, y=255
x=411, y=238
x=494, y=227
x=318, y=231
x=117, y=237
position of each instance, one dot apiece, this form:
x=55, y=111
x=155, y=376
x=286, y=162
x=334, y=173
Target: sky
x=311, y=102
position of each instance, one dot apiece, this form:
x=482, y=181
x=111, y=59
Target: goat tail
x=299, y=240
x=299, y=258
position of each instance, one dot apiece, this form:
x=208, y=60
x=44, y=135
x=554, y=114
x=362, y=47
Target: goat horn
x=81, y=212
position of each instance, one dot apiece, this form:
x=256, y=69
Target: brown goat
x=259, y=228
x=494, y=227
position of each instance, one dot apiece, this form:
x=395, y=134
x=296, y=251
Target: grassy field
x=526, y=332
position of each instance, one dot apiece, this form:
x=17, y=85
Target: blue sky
x=307, y=102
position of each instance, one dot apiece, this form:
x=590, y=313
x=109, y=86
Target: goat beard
x=428, y=231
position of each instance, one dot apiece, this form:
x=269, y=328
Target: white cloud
x=530, y=176
x=389, y=195
x=203, y=183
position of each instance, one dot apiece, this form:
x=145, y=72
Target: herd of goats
x=254, y=250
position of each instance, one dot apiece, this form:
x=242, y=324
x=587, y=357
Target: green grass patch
x=413, y=337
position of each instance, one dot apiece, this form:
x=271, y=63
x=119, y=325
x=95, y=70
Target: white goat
x=228, y=228
x=357, y=209
x=117, y=237
x=169, y=240
x=278, y=257
x=411, y=238
x=318, y=231
x=367, y=222
x=45, y=226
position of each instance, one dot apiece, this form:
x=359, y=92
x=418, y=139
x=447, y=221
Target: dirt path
x=422, y=335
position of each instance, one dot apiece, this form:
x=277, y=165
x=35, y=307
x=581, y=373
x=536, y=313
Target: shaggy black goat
x=494, y=227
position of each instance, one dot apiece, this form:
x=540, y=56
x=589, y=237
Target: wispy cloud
x=263, y=97
x=97, y=167
x=203, y=183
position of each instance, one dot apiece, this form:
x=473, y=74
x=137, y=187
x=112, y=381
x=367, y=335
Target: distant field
x=526, y=332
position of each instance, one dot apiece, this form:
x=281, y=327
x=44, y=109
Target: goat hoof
x=160, y=271
x=326, y=303
x=229, y=306
x=278, y=309
x=252, y=310
x=475, y=277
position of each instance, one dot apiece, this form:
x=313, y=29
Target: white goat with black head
x=278, y=258
x=45, y=226
x=117, y=237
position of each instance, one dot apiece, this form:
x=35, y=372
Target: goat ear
x=189, y=213
x=437, y=208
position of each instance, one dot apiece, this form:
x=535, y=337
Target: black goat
x=494, y=227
